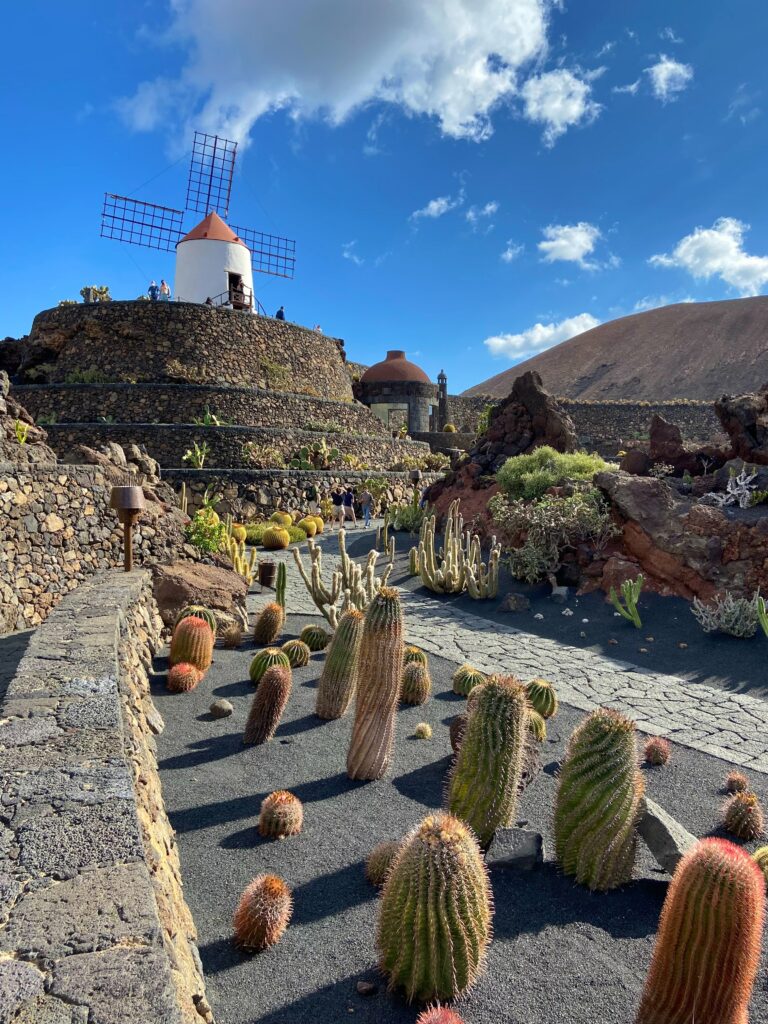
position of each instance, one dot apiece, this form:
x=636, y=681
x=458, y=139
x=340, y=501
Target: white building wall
x=202, y=266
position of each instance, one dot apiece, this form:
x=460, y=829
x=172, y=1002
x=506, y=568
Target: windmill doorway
x=239, y=293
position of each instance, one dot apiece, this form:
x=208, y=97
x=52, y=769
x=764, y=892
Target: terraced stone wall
x=93, y=923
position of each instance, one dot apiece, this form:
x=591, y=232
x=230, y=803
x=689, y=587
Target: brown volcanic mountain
x=689, y=350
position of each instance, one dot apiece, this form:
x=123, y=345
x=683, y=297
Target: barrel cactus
x=380, y=667
x=309, y=526
x=315, y=637
x=267, y=659
x=268, y=705
x=239, y=532
x=276, y=538
x=598, y=801
x=183, y=677
x=338, y=681
x=537, y=725
x=263, y=913
x=456, y=730
x=281, y=815
x=200, y=612
x=423, y=731
x=736, y=782
x=297, y=653
x=379, y=860
x=465, y=679
x=436, y=897
x=319, y=523
x=542, y=697
x=281, y=518
x=192, y=642
x=760, y=857
x=743, y=816
x=439, y=1015
x=416, y=684
x=413, y=653
x=269, y=623
x=707, y=947
x=484, y=781
x=657, y=751
x=232, y=635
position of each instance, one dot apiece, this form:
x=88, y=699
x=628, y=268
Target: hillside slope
x=689, y=350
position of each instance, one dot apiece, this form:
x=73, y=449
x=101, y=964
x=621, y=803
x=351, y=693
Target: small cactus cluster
x=267, y=659
x=416, y=684
x=263, y=913
x=379, y=860
x=269, y=623
x=297, y=653
x=542, y=697
x=338, y=681
x=200, y=612
x=282, y=814
x=707, y=949
x=413, y=653
x=465, y=679
x=276, y=538
x=743, y=816
x=315, y=637
x=182, y=677
x=268, y=705
x=485, y=777
x=598, y=802
x=657, y=751
x=380, y=666
x=436, y=897
x=423, y=731
x=736, y=782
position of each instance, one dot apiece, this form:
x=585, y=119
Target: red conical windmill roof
x=214, y=228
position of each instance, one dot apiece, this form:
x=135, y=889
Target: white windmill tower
x=214, y=261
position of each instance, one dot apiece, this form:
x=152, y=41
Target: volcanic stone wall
x=93, y=925
x=183, y=341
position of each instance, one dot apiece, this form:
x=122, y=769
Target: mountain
x=688, y=350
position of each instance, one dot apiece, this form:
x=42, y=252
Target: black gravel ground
x=560, y=955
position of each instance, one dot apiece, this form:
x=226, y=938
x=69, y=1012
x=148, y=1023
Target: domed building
x=399, y=393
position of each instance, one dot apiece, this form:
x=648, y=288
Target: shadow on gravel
x=426, y=784
x=331, y=894
x=305, y=724
x=203, y=751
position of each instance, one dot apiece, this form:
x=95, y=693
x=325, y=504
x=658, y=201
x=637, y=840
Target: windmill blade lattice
x=210, y=174
x=140, y=223
x=270, y=254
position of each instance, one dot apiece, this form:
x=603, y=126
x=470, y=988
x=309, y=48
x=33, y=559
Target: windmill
x=215, y=261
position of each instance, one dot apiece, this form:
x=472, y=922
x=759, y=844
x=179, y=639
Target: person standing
x=366, y=504
x=337, y=498
x=280, y=314
x=312, y=499
x=153, y=291
x=165, y=291
x=349, y=506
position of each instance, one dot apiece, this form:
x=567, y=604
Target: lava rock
x=521, y=849
x=665, y=837
x=221, y=708
x=515, y=603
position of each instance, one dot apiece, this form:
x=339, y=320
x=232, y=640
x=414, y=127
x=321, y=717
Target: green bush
x=204, y=531
x=484, y=419
x=254, y=533
x=531, y=476
x=407, y=517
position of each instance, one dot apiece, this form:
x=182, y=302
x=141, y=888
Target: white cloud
x=719, y=252
x=631, y=88
x=669, y=78
x=655, y=301
x=572, y=243
x=670, y=35
x=511, y=251
x=539, y=337
x=438, y=207
x=349, y=253
x=476, y=214
x=606, y=48
x=743, y=107
x=451, y=60
x=558, y=100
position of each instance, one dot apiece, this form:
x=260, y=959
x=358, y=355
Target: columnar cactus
x=542, y=697
x=200, y=612
x=297, y=652
x=743, y=816
x=380, y=667
x=276, y=538
x=413, y=653
x=416, y=684
x=466, y=678
x=315, y=637
x=707, y=948
x=436, y=897
x=269, y=623
x=379, y=860
x=598, y=801
x=268, y=705
x=183, y=677
x=263, y=913
x=280, y=584
x=484, y=781
x=281, y=815
x=657, y=751
x=339, y=679
x=267, y=659
x=192, y=642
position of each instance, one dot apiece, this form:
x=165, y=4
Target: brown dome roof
x=394, y=369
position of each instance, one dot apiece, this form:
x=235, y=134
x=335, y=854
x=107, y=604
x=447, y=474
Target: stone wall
x=182, y=403
x=186, y=342
x=93, y=923
x=167, y=443
x=445, y=441
x=57, y=529
x=464, y=412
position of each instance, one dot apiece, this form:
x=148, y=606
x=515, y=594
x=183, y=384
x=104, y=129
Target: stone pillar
x=418, y=414
x=442, y=400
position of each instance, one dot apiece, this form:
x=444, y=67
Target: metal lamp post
x=128, y=502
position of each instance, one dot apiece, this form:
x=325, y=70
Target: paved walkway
x=730, y=726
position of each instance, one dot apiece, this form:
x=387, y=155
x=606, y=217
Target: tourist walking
x=337, y=497
x=165, y=291
x=366, y=504
x=349, y=506
x=312, y=499
x=153, y=291
x=280, y=314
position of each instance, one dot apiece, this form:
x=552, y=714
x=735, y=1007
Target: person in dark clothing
x=349, y=506
x=337, y=497
x=280, y=314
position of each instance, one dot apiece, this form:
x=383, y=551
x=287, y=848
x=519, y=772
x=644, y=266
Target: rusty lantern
x=128, y=502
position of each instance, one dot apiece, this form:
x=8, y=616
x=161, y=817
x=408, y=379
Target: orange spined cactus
x=192, y=642
x=263, y=913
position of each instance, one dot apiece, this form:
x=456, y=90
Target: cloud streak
x=539, y=337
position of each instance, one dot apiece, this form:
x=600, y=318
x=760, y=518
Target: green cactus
x=707, y=950
x=456, y=730
x=298, y=653
x=200, y=612
x=281, y=815
x=269, y=623
x=413, y=562
x=743, y=816
x=630, y=592
x=276, y=538
x=762, y=613
x=263, y=913
x=380, y=668
x=315, y=637
x=379, y=861
x=266, y=659
x=280, y=585
x=537, y=725
x=542, y=697
x=192, y=642
x=416, y=684
x=338, y=681
x=268, y=705
x=598, y=802
x=760, y=857
x=183, y=677
x=482, y=790
x=412, y=653
x=435, y=912
x=466, y=678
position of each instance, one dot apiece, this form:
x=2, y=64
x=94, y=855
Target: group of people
x=159, y=293
x=343, y=500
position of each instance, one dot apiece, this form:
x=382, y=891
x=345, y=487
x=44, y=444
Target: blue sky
x=470, y=180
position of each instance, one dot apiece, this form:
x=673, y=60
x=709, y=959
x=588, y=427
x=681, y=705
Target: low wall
x=444, y=441
x=610, y=426
x=167, y=443
x=93, y=923
x=182, y=403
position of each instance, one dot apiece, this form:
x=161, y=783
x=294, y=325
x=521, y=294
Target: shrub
x=436, y=462
x=530, y=476
x=92, y=375
x=736, y=616
x=262, y=456
x=485, y=417
x=324, y=427
x=407, y=517
x=204, y=531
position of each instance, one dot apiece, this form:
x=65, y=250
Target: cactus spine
x=542, y=697
x=268, y=705
x=378, y=687
x=263, y=913
x=465, y=679
x=416, y=684
x=183, y=677
x=281, y=815
x=598, y=801
x=269, y=623
x=276, y=538
x=267, y=659
x=379, y=860
x=280, y=583
x=482, y=789
x=192, y=642
x=435, y=912
x=297, y=653
x=413, y=653
x=708, y=944
x=339, y=679
x=315, y=637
